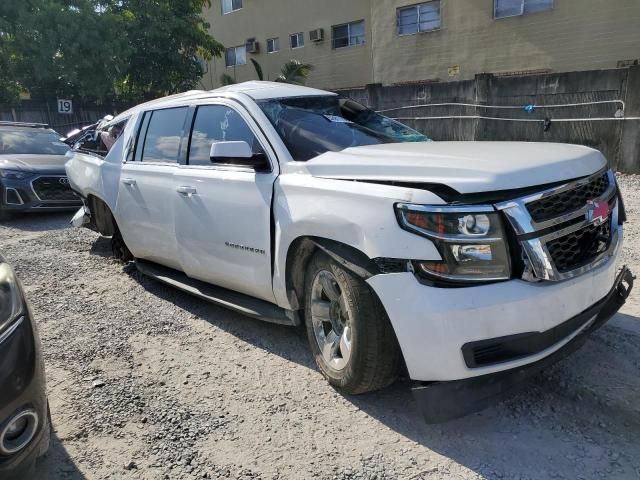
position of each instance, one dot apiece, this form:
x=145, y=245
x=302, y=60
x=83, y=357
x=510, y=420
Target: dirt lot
x=146, y=382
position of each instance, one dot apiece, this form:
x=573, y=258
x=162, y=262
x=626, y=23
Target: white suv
x=471, y=264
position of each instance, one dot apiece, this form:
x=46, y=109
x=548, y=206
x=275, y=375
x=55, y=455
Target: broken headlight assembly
x=471, y=241
x=11, y=304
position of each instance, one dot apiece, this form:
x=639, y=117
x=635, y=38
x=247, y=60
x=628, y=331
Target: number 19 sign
x=65, y=106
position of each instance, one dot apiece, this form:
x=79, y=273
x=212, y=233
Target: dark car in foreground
x=24, y=413
x=32, y=176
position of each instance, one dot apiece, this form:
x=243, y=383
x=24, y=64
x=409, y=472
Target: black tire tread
x=379, y=364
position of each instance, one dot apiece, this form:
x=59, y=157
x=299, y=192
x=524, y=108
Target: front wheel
x=348, y=330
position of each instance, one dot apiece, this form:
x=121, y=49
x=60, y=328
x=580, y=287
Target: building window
x=348, y=35
x=273, y=45
x=513, y=8
x=423, y=17
x=297, y=40
x=229, y=6
x=236, y=56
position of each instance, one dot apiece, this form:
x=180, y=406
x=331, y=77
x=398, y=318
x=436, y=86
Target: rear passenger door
x=223, y=228
x=146, y=190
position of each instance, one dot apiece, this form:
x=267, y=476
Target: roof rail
x=23, y=124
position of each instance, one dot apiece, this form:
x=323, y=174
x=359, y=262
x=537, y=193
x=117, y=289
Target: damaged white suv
x=470, y=264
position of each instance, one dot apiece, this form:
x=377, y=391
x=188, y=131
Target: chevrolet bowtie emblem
x=597, y=211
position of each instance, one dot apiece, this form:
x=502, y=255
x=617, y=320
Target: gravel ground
x=146, y=382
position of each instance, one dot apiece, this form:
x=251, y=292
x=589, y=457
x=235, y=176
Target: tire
x=367, y=356
x=119, y=248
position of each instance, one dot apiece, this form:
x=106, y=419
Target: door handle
x=129, y=181
x=186, y=190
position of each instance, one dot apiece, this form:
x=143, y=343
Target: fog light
x=18, y=432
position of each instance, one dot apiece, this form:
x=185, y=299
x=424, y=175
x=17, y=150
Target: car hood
x=468, y=167
x=34, y=163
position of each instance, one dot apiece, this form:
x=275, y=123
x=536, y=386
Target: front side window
x=164, y=132
x=423, y=17
x=311, y=126
x=348, y=35
x=512, y=8
x=218, y=123
x=30, y=141
x=236, y=56
x=273, y=45
x=297, y=40
x=229, y=6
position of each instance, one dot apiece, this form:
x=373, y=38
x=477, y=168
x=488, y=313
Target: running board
x=250, y=306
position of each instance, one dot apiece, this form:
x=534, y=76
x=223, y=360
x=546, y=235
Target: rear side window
x=217, y=123
x=164, y=133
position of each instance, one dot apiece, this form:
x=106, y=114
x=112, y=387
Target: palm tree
x=294, y=71
x=258, y=68
x=226, y=79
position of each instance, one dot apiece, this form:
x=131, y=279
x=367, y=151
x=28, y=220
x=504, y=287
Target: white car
x=470, y=264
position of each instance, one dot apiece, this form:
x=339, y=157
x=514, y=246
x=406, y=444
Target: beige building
x=352, y=43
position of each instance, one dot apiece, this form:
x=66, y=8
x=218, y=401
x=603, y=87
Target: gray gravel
x=146, y=382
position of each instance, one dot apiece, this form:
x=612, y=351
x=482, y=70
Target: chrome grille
x=53, y=189
x=563, y=240
x=568, y=201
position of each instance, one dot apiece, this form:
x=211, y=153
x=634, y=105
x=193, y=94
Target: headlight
x=11, y=305
x=470, y=239
x=14, y=174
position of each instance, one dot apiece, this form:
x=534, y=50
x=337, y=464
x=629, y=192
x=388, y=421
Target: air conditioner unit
x=253, y=46
x=316, y=35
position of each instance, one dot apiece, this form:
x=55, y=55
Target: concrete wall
x=574, y=35
x=619, y=140
x=339, y=68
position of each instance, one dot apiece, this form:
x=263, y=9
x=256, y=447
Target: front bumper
x=46, y=192
x=442, y=401
x=434, y=324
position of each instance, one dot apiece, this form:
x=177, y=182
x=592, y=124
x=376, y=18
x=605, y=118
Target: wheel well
x=303, y=248
x=102, y=217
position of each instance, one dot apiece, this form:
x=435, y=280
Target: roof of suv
x=257, y=90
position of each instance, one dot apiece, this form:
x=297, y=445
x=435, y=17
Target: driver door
x=222, y=208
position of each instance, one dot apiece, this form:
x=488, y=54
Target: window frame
x=522, y=10
x=349, y=36
x=232, y=9
x=251, y=123
x=142, y=130
x=235, y=56
x=417, y=7
x=298, y=35
x=273, y=39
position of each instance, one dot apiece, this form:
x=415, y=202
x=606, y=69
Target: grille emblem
x=63, y=181
x=597, y=212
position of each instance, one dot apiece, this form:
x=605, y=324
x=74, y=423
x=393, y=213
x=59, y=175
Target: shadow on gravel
x=101, y=247
x=56, y=464
x=39, y=221
x=286, y=342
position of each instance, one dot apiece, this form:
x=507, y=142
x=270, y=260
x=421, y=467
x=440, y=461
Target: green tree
x=169, y=41
x=132, y=50
x=294, y=71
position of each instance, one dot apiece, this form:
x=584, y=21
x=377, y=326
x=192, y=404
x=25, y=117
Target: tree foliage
x=129, y=50
x=294, y=71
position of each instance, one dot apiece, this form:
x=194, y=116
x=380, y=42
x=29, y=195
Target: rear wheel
x=119, y=248
x=350, y=335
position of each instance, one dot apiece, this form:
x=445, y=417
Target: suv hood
x=468, y=167
x=34, y=163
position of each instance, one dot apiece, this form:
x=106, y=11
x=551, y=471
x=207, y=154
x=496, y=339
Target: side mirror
x=225, y=150
x=238, y=153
